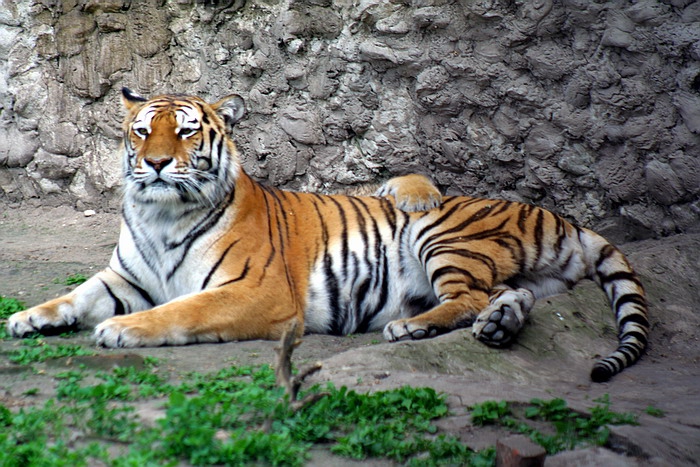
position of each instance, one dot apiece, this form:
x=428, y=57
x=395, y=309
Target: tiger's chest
x=163, y=258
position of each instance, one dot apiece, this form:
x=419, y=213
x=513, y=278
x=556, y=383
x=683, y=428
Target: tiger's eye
x=186, y=132
x=203, y=164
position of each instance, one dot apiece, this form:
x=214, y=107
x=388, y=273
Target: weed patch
x=562, y=427
x=235, y=416
x=36, y=350
x=72, y=279
x=9, y=306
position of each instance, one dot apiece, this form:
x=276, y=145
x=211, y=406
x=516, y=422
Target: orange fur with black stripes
x=208, y=254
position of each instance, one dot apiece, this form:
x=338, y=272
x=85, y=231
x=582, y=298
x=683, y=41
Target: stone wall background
x=591, y=109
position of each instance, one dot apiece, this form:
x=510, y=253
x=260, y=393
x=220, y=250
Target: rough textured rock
x=588, y=108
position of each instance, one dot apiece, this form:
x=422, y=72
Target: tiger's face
x=177, y=150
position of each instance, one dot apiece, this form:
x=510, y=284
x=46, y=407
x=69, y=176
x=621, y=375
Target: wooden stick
x=283, y=369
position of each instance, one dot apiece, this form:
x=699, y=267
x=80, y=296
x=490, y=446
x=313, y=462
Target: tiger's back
x=208, y=254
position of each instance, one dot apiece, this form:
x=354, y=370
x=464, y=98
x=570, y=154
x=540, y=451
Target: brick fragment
x=519, y=451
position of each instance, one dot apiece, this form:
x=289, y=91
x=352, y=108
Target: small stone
x=89, y=213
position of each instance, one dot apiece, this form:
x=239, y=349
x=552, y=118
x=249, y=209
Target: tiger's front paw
x=499, y=323
x=40, y=319
x=132, y=331
x=403, y=329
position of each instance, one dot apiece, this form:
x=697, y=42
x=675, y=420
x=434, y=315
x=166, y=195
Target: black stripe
x=637, y=318
x=145, y=295
x=119, y=308
x=141, y=242
x=439, y=221
x=472, y=282
x=515, y=246
x=268, y=215
x=344, y=248
x=502, y=206
x=241, y=276
x=539, y=234
x=606, y=252
x=480, y=257
x=523, y=216
x=390, y=213
x=477, y=216
x=615, y=362
x=337, y=321
x=561, y=235
x=380, y=265
x=282, y=233
x=639, y=336
x=619, y=276
x=635, y=298
x=493, y=234
x=213, y=269
x=360, y=296
x=383, y=279
x=204, y=226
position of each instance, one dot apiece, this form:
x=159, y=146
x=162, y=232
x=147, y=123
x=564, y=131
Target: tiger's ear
x=131, y=99
x=231, y=109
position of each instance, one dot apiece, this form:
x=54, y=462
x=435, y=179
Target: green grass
x=564, y=428
x=236, y=416
x=35, y=350
x=239, y=416
x=72, y=279
x=654, y=412
x=9, y=306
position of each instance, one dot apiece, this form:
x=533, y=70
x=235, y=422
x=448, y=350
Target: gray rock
x=548, y=102
x=664, y=185
x=17, y=148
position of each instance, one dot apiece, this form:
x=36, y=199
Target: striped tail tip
x=602, y=372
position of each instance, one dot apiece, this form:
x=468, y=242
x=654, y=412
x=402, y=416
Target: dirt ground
x=41, y=246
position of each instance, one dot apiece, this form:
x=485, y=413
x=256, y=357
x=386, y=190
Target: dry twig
x=283, y=370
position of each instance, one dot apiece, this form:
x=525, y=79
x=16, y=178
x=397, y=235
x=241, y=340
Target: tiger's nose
x=158, y=163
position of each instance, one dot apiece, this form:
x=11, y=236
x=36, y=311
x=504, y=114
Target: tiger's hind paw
x=412, y=193
x=499, y=323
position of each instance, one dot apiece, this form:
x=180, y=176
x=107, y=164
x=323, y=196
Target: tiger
x=208, y=254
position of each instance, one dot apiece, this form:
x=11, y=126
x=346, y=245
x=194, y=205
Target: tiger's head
x=177, y=149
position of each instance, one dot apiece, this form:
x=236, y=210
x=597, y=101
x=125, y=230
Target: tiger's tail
x=609, y=267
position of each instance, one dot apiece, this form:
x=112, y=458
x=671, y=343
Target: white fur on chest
x=164, y=254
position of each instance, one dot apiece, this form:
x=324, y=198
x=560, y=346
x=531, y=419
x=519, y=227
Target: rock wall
x=591, y=109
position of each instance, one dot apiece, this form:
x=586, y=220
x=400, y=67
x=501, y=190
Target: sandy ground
x=40, y=247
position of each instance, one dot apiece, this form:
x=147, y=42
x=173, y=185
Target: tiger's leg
x=504, y=317
x=220, y=314
x=462, y=276
x=103, y=295
x=447, y=316
x=461, y=281
x=412, y=193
